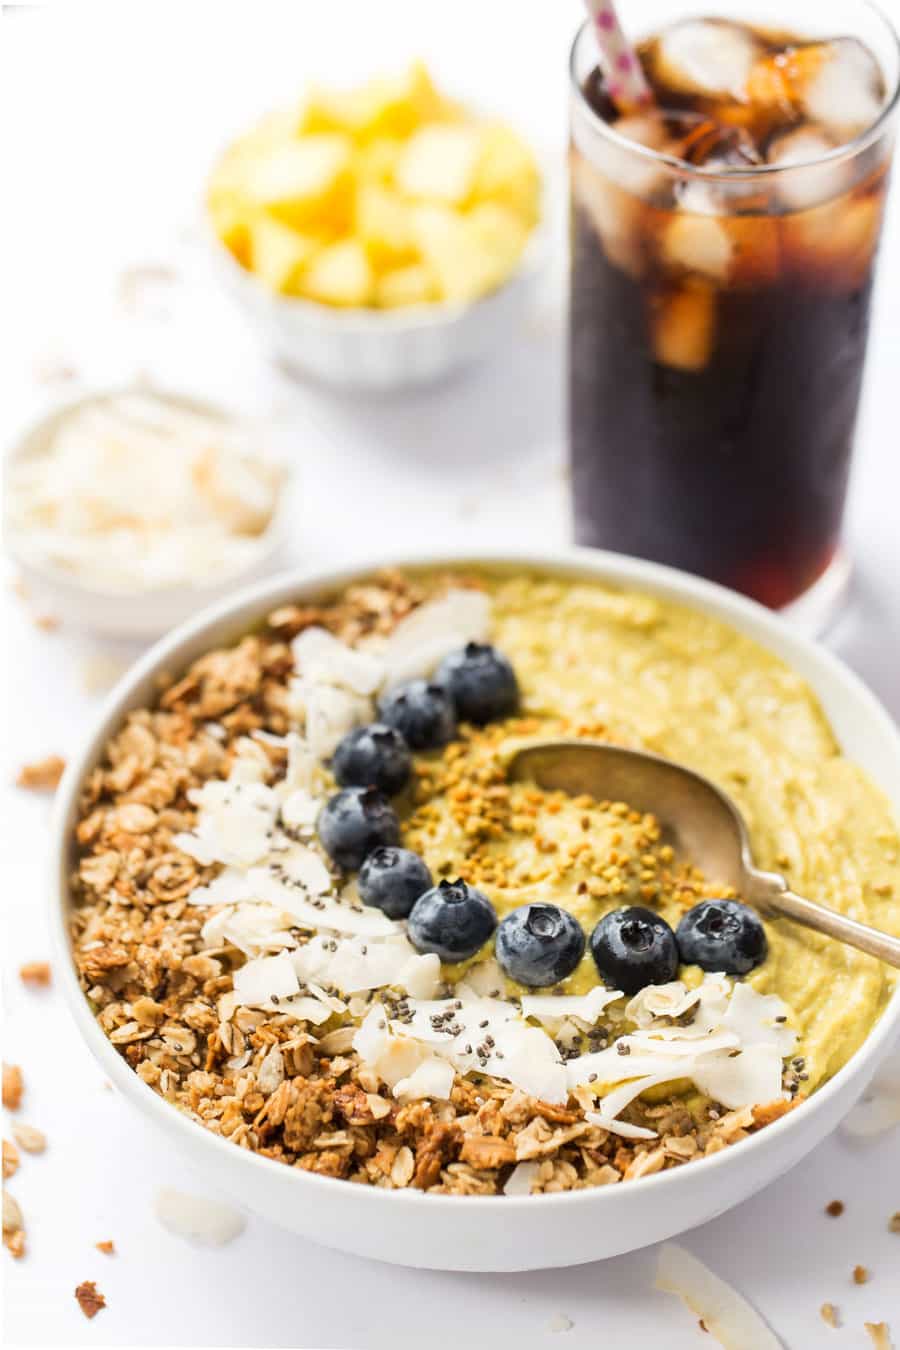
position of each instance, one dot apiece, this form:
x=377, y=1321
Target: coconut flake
x=327, y=713
x=723, y=1311
x=234, y=823
x=755, y=1018
x=315, y=912
x=264, y=977
x=661, y=1000
x=433, y=1078
x=521, y=1179
x=300, y=810
x=619, y=1127
x=746, y=1079
x=302, y=866
x=323, y=659
x=584, y=1010
x=228, y=888
x=483, y=979
x=253, y=928
x=420, y=642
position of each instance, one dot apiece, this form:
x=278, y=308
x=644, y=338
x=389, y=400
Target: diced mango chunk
x=439, y=163
x=502, y=233
x=507, y=173
x=279, y=254
x=302, y=179
x=382, y=225
x=413, y=285
x=376, y=162
x=463, y=267
x=339, y=275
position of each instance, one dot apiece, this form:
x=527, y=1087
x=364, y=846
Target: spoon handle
x=859, y=935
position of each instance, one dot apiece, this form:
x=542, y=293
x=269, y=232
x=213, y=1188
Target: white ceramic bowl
x=128, y=614
x=384, y=349
x=489, y=1233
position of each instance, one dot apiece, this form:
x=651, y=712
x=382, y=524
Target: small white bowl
x=489, y=1233
x=384, y=349
x=127, y=614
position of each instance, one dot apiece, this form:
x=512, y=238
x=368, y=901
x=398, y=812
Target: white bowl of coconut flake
x=129, y=510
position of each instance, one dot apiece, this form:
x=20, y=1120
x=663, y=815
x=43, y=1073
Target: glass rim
x=841, y=152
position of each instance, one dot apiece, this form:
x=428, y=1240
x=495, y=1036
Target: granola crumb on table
x=13, y=1086
x=90, y=1300
x=36, y=974
x=254, y=1076
x=10, y=1159
x=43, y=775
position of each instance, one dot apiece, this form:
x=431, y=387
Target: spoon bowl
x=699, y=820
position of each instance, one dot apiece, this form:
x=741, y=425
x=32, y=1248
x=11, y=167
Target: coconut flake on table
x=199, y=1220
x=432, y=631
x=724, y=1313
x=134, y=492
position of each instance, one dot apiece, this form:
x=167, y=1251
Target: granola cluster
x=258, y=1077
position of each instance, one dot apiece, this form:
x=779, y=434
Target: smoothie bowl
x=310, y=925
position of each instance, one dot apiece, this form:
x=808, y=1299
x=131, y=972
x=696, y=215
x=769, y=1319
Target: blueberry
x=539, y=945
x=421, y=712
x=353, y=822
x=392, y=879
x=373, y=756
x=481, y=682
x=633, y=948
x=453, y=920
x=722, y=935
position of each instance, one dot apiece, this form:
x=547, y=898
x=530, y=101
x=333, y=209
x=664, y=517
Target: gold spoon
x=700, y=821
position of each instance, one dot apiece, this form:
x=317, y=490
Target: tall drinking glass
x=719, y=320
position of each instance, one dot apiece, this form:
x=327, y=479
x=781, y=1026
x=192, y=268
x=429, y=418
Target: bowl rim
x=39, y=425
x=253, y=601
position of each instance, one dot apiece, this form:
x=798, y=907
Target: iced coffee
x=723, y=253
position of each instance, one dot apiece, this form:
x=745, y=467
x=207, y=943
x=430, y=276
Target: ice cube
x=641, y=174
x=836, y=84
x=683, y=326
x=846, y=95
x=705, y=56
x=698, y=244
x=722, y=150
x=615, y=215
x=808, y=182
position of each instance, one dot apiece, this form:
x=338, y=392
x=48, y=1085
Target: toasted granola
x=296, y=1093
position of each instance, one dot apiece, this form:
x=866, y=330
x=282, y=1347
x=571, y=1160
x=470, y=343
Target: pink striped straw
x=625, y=81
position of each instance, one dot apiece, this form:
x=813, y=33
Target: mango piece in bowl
x=385, y=196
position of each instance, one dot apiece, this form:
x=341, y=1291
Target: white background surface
x=109, y=117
